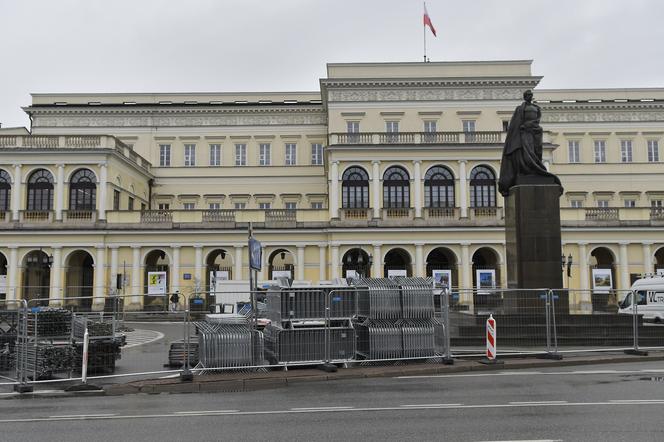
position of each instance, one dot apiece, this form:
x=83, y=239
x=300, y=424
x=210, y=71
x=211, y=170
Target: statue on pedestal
x=522, y=154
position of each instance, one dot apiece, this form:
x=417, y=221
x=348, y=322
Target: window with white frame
x=392, y=127
x=264, y=154
x=353, y=127
x=626, y=151
x=290, y=206
x=600, y=151
x=240, y=154
x=576, y=204
x=657, y=203
x=505, y=125
x=164, y=155
x=603, y=203
x=188, y=206
x=239, y=206
x=653, y=151
x=468, y=125
x=291, y=154
x=215, y=206
x=164, y=206
x=189, y=155
x=264, y=206
x=316, y=154
x=215, y=154
x=630, y=202
x=573, y=151
x=316, y=205
x=430, y=126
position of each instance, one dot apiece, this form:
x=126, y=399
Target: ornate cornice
x=602, y=112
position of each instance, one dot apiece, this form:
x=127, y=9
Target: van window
x=642, y=300
x=627, y=301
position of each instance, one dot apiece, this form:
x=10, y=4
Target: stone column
x=114, y=268
x=585, y=297
x=623, y=268
x=322, y=257
x=377, y=271
x=334, y=189
x=100, y=279
x=56, y=292
x=237, y=271
x=466, y=283
x=417, y=185
x=16, y=193
x=335, y=262
x=12, y=273
x=419, y=260
x=463, y=190
x=136, y=288
x=175, y=269
x=101, y=201
x=60, y=192
x=647, y=258
x=375, y=188
x=198, y=267
x=300, y=263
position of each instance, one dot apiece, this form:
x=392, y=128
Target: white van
x=649, y=294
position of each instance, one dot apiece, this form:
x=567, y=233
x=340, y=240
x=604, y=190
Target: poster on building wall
x=281, y=274
x=3, y=284
x=393, y=273
x=602, y=280
x=442, y=278
x=156, y=283
x=486, y=279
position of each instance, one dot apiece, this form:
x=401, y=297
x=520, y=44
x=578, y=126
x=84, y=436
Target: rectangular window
x=130, y=203
x=316, y=154
x=506, y=125
x=215, y=206
x=264, y=206
x=164, y=155
x=353, y=127
x=573, y=151
x=264, y=154
x=603, y=203
x=116, y=200
x=656, y=203
x=576, y=204
x=240, y=154
x=468, y=125
x=430, y=126
x=188, y=206
x=626, y=151
x=392, y=127
x=630, y=203
x=164, y=206
x=600, y=151
x=239, y=206
x=189, y=155
x=317, y=205
x=215, y=154
x=291, y=154
x=142, y=207
x=291, y=206
x=653, y=151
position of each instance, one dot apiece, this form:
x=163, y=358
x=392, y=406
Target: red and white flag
x=427, y=21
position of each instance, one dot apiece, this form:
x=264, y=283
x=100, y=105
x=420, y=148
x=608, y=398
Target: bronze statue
x=522, y=154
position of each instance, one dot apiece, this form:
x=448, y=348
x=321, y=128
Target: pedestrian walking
x=175, y=300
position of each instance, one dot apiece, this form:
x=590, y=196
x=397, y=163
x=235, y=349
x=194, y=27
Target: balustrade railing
x=5, y=216
x=441, y=212
x=397, y=212
x=657, y=213
x=219, y=216
x=602, y=214
x=80, y=215
x=485, y=212
x=484, y=137
x=156, y=216
x=361, y=214
x=37, y=216
x=83, y=141
x=280, y=215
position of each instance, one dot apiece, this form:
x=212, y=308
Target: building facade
x=390, y=168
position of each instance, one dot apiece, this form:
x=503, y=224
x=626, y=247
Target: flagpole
x=424, y=32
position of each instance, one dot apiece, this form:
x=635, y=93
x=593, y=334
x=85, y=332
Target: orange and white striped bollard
x=491, y=338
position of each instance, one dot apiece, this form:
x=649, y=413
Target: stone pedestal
x=532, y=231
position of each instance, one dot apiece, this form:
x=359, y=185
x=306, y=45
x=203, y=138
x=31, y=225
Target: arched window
x=5, y=190
x=482, y=187
x=355, y=188
x=439, y=187
x=40, y=191
x=82, y=190
x=396, y=188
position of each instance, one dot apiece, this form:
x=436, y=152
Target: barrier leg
x=635, y=329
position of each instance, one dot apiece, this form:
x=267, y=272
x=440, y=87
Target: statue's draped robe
x=520, y=154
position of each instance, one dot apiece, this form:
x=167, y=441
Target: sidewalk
x=237, y=382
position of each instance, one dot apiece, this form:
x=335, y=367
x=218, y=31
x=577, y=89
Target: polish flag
x=427, y=21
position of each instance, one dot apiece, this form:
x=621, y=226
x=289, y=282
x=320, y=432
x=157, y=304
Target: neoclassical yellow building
x=390, y=168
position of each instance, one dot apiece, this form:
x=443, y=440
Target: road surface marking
x=142, y=337
x=648, y=402
x=530, y=373
x=528, y=440
x=636, y=401
x=73, y=416
x=207, y=412
x=432, y=405
x=538, y=402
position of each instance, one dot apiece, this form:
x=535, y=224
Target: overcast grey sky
x=272, y=45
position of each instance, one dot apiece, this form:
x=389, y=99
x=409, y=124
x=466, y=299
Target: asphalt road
x=619, y=402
